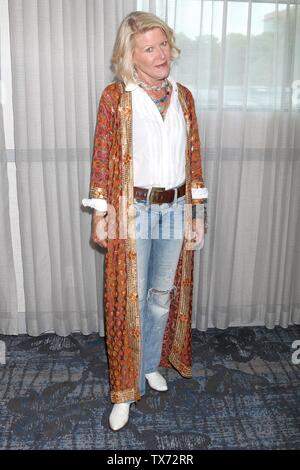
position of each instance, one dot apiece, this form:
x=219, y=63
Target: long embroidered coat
x=112, y=179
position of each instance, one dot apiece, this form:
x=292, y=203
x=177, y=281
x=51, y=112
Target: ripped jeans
x=159, y=238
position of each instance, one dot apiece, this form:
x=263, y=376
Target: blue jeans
x=159, y=238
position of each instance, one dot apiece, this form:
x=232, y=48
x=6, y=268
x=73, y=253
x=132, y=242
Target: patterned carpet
x=245, y=394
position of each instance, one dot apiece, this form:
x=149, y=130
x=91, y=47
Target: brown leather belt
x=158, y=195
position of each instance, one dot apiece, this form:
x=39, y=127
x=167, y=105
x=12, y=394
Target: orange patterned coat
x=112, y=179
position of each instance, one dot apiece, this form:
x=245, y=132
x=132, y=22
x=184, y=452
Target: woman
x=146, y=175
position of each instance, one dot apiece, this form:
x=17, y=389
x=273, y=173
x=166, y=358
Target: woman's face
x=152, y=55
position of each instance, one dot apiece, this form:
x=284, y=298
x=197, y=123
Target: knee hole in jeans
x=160, y=297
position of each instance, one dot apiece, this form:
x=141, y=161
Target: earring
x=134, y=73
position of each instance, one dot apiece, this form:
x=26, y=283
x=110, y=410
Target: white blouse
x=158, y=145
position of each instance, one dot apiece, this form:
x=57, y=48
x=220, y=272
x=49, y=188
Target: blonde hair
x=136, y=22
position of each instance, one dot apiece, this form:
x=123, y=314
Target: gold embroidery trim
x=197, y=184
x=124, y=395
x=98, y=193
x=183, y=319
x=182, y=368
x=132, y=307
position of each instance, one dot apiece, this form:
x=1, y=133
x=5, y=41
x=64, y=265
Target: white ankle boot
x=156, y=381
x=119, y=416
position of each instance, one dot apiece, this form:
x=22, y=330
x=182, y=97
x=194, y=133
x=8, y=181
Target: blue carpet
x=244, y=394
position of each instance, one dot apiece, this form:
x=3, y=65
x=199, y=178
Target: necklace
x=144, y=85
x=154, y=87
x=160, y=102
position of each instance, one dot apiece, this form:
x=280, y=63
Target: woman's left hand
x=195, y=238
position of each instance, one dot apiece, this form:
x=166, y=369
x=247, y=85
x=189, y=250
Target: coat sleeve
x=199, y=191
x=102, y=145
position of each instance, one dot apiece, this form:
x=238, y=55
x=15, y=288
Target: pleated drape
x=60, y=63
x=241, y=60
x=8, y=289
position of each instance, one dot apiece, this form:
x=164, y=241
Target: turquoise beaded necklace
x=160, y=102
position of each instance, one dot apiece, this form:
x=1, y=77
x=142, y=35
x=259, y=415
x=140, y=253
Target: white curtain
x=8, y=291
x=240, y=60
x=60, y=53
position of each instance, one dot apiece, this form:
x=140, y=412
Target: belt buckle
x=151, y=193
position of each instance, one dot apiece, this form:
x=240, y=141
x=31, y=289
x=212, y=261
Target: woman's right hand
x=99, y=228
